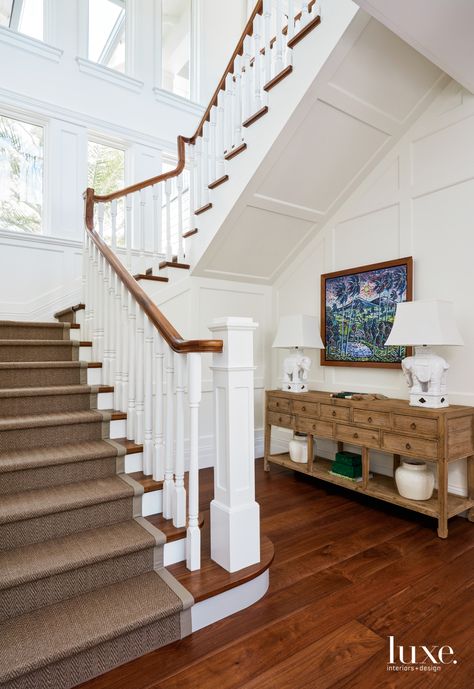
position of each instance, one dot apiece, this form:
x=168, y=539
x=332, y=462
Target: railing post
x=168, y=483
x=235, y=516
x=193, y=534
x=179, y=499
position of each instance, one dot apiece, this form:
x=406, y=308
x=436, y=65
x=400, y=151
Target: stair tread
x=39, y=343
x=48, y=390
x=67, y=628
x=9, y=423
x=14, y=460
x=43, y=364
x=57, y=555
x=41, y=501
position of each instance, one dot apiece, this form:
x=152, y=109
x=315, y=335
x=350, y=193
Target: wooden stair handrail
x=158, y=320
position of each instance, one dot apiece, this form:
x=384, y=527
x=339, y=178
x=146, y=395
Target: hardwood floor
x=348, y=572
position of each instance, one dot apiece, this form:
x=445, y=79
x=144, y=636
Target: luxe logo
x=421, y=658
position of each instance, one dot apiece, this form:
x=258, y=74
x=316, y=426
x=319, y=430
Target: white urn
x=414, y=480
x=298, y=447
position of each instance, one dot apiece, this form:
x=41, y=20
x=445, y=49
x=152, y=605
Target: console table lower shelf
x=380, y=486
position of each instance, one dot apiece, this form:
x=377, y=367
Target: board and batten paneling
x=418, y=201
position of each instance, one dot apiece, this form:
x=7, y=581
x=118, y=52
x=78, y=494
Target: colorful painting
x=357, y=313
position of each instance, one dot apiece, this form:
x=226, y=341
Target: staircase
x=82, y=582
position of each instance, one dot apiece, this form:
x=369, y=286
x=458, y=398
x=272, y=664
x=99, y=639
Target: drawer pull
x=356, y=435
x=277, y=404
x=303, y=408
x=370, y=419
x=408, y=446
x=280, y=419
x=334, y=413
x=413, y=426
x=314, y=426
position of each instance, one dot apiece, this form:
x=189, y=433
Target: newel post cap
x=232, y=323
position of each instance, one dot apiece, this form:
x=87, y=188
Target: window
x=175, y=228
x=106, y=173
x=107, y=33
x=21, y=175
x=176, y=46
x=24, y=16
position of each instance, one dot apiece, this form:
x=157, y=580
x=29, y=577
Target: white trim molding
x=30, y=45
x=93, y=69
x=174, y=101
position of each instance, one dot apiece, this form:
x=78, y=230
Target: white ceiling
x=441, y=30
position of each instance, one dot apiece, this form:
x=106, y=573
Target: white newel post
x=235, y=516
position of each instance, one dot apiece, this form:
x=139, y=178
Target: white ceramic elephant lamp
x=422, y=323
x=295, y=333
x=295, y=372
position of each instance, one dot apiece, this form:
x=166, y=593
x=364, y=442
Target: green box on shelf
x=351, y=459
x=346, y=470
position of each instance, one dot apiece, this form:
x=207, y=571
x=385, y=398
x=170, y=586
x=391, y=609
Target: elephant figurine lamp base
x=426, y=374
x=295, y=371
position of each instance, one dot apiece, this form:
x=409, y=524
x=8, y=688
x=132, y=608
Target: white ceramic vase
x=414, y=480
x=298, y=447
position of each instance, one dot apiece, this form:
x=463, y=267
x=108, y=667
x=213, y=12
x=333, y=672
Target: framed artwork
x=357, y=313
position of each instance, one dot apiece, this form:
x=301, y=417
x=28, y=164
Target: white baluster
x=158, y=410
x=267, y=38
x=213, y=145
x=113, y=217
x=106, y=322
x=279, y=38
x=192, y=186
x=85, y=284
x=291, y=20
x=179, y=503
x=93, y=301
x=128, y=230
x=123, y=334
x=142, y=229
x=220, y=137
x=131, y=367
x=100, y=307
x=228, y=112
x=257, y=64
x=237, y=116
x=193, y=534
x=139, y=377
x=179, y=188
x=116, y=351
x=303, y=20
x=100, y=217
x=148, y=400
x=205, y=164
x=168, y=483
x=157, y=227
x=169, y=248
x=198, y=174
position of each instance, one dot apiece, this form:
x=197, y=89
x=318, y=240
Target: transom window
x=106, y=173
x=176, y=46
x=107, y=33
x=21, y=175
x=24, y=16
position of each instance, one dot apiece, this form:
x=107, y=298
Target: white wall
x=418, y=202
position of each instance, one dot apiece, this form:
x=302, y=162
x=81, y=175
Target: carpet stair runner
x=82, y=583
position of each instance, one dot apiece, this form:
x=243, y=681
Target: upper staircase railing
x=146, y=360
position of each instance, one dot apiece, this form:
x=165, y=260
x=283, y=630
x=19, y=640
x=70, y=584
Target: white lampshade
x=425, y=322
x=298, y=331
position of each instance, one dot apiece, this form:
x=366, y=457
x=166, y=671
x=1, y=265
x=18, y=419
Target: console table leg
x=470, y=485
x=266, y=446
x=365, y=467
x=442, y=499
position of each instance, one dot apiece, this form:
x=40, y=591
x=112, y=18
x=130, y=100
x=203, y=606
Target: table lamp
x=420, y=324
x=297, y=333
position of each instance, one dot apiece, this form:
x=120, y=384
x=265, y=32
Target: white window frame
x=83, y=35
x=44, y=122
x=103, y=139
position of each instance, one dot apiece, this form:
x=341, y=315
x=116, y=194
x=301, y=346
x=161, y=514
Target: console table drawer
x=408, y=445
x=285, y=420
x=415, y=424
x=330, y=412
x=366, y=437
x=307, y=408
x=322, y=429
x=375, y=418
x=279, y=404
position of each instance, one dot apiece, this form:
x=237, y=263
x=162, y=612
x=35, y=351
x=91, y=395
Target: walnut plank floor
x=348, y=572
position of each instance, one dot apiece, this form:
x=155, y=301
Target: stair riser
x=43, y=377
x=20, y=533
x=47, y=404
x=22, y=438
x=49, y=590
x=68, y=352
x=65, y=674
x=59, y=474
x=25, y=332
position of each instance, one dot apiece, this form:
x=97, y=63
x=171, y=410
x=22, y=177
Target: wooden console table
x=441, y=436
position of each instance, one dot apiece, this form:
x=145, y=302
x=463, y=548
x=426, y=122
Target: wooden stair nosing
x=172, y=264
x=149, y=485
x=171, y=532
x=278, y=77
x=203, y=209
x=130, y=446
x=304, y=31
x=235, y=151
x=190, y=233
x=256, y=116
x=63, y=312
x=155, y=278
x=217, y=182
